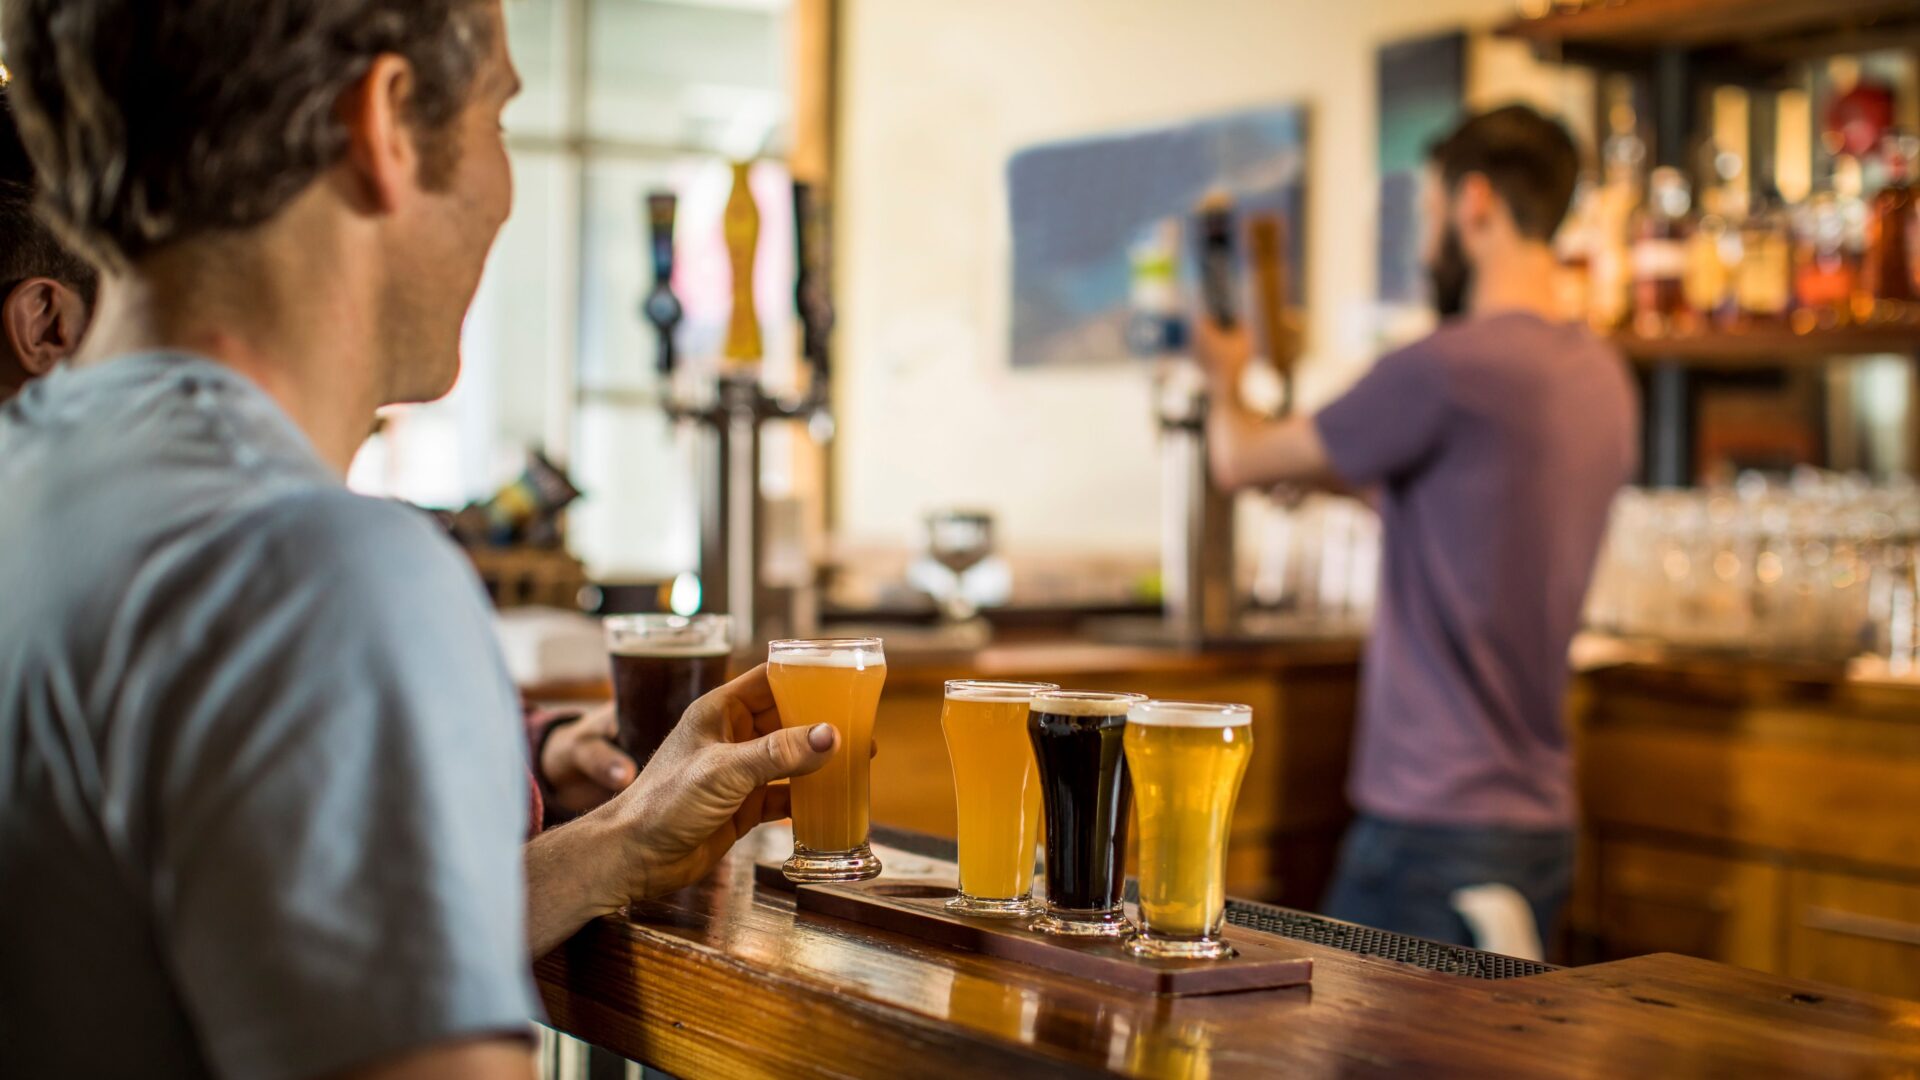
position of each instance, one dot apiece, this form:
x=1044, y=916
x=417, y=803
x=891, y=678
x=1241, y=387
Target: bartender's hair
x=1529, y=160
x=159, y=121
x=28, y=247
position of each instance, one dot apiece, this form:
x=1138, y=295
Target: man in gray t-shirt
x=262, y=776
x=1493, y=449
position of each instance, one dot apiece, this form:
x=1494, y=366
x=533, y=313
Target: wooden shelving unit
x=1673, y=51
x=1755, y=31
x=1771, y=347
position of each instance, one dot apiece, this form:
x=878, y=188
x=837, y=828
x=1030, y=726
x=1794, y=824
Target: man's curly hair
x=158, y=121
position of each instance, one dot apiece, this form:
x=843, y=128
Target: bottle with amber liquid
x=1712, y=252
x=1823, y=271
x=1660, y=233
x=1890, y=273
x=1763, y=280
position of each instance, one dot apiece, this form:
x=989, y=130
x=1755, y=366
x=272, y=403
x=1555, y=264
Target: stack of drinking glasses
x=1820, y=567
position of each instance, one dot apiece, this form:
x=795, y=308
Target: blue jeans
x=1399, y=877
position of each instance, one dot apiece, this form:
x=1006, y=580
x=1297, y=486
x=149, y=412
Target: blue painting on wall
x=1078, y=207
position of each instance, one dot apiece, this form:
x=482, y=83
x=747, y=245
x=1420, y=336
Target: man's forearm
x=1250, y=450
x=572, y=879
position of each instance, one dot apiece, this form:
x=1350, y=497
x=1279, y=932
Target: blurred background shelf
x=1753, y=30
x=1771, y=347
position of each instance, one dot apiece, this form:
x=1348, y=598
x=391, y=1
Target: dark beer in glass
x=1078, y=744
x=661, y=664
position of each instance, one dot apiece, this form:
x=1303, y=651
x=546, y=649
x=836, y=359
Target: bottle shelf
x=1772, y=346
x=1634, y=25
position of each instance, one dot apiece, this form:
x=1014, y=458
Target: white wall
x=935, y=96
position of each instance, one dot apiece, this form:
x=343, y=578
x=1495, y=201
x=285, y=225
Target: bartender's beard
x=1451, y=276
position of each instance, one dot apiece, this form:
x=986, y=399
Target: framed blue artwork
x=1077, y=207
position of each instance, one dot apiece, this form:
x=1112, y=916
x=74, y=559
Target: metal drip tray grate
x=1366, y=941
x=1300, y=926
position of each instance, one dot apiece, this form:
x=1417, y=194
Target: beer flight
x=1030, y=760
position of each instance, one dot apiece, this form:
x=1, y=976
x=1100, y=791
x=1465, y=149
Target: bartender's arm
x=1248, y=450
x=1386, y=427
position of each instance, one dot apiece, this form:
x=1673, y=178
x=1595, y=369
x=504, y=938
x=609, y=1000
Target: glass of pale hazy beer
x=835, y=681
x=661, y=663
x=996, y=789
x=1187, y=761
x=1077, y=738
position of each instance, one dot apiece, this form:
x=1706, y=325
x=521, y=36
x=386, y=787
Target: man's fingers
x=601, y=721
x=606, y=763
x=778, y=804
x=783, y=754
x=752, y=690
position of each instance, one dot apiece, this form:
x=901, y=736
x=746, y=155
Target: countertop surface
x=726, y=980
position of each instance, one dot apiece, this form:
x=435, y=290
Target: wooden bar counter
x=725, y=980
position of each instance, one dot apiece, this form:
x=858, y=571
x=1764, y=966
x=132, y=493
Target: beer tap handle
x=1266, y=250
x=813, y=293
x=1213, y=235
x=662, y=308
x=742, y=226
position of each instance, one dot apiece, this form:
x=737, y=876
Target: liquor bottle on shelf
x=1763, y=281
x=1660, y=257
x=1712, y=254
x=1824, y=271
x=1573, y=250
x=1609, y=262
x=1890, y=273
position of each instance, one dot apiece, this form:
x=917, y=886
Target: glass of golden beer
x=1187, y=761
x=835, y=681
x=996, y=789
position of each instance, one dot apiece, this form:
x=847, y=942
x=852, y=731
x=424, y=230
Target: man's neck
x=291, y=318
x=1518, y=278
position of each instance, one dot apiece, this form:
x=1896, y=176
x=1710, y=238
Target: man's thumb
x=788, y=752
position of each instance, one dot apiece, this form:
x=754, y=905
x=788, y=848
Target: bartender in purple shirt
x=1493, y=449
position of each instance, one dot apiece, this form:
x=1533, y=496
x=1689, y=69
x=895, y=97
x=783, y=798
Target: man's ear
x=1473, y=203
x=381, y=150
x=43, y=320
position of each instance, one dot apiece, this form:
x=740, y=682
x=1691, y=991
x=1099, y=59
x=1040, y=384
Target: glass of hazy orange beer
x=996, y=791
x=833, y=681
x=1187, y=761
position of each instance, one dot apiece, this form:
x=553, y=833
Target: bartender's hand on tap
x=1224, y=354
x=709, y=784
x=1245, y=449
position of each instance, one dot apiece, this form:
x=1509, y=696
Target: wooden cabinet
x=1658, y=899
x=1759, y=816
x=1854, y=931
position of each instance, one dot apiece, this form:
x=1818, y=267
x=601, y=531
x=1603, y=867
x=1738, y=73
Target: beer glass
x=661, y=664
x=1187, y=760
x=1077, y=739
x=996, y=790
x=835, y=681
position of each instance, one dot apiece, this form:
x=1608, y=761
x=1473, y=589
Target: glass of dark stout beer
x=661, y=663
x=1078, y=744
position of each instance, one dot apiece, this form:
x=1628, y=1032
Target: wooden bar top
x=723, y=980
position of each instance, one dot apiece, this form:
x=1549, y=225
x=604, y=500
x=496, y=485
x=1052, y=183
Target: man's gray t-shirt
x=1497, y=445
x=262, y=787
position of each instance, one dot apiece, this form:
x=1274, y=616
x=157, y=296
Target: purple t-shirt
x=1496, y=445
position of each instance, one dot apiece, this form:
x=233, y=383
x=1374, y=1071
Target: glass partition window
x=622, y=97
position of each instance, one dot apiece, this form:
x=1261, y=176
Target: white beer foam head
x=1189, y=714
x=857, y=653
x=669, y=635
x=995, y=692
x=1083, y=703
x=669, y=650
